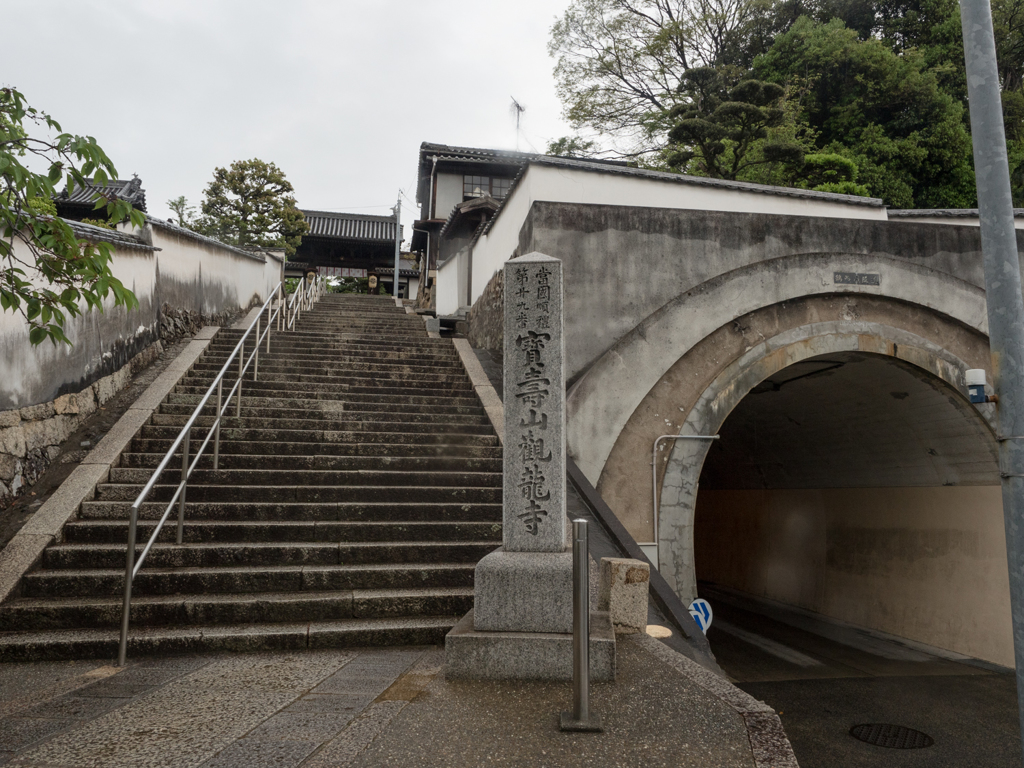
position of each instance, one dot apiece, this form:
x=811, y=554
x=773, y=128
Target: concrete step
x=67, y=583
x=308, y=494
x=246, y=637
x=255, y=511
x=79, y=556
x=294, y=451
x=454, y=434
x=416, y=463
x=200, y=531
x=358, y=403
x=271, y=607
x=334, y=422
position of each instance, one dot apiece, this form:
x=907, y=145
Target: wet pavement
x=824, y=678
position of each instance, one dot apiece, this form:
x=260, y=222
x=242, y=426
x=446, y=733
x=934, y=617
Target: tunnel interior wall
x=928, y=564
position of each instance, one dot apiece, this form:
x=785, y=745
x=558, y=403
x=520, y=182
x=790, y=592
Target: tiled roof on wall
x=350, y=226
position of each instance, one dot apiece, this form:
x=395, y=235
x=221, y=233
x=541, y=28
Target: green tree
x=186, y=213
x=619, y=63
x=572, y=146
x=884, y=112
x=720, y=124
x=250, y=204
x=53, y=274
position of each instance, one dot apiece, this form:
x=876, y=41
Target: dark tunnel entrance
x=863, y=488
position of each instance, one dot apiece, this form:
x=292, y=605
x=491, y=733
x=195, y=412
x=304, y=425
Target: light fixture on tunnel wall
x=976, y=380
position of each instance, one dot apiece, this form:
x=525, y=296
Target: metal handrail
x=275, y=309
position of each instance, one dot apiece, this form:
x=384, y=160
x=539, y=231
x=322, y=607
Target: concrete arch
x=605, y=396
x=735, y=382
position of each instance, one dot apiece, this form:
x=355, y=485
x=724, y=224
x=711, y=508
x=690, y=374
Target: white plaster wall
x=414, y=288
x=449, y=194
x=33, y=374
x=961, y=221
x=185, y=273
x=448, y=288
x=206, y=277
x=566, y=185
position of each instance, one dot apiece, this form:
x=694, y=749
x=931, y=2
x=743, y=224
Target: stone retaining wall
x=31, y=437
x=486, y=319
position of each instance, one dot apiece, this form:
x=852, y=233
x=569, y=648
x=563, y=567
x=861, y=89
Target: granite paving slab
x=653, y=716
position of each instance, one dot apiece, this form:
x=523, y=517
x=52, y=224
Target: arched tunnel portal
x=865, y=488
x=853, y=478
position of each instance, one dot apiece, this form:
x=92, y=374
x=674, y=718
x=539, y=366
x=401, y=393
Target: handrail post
x=256, y=353
x=122, y=650
x=184, y=484
x=270, y=324
x=238, y=395
x=216, y=425
x=280, y=308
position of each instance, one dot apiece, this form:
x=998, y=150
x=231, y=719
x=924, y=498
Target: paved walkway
x=369, y=707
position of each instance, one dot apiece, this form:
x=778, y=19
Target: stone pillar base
x=470, y=654
x=523, y=592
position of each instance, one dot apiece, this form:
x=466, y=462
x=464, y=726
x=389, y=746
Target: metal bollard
x=581, y=718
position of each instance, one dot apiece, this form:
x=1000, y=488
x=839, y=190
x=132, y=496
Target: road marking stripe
x=779, y=650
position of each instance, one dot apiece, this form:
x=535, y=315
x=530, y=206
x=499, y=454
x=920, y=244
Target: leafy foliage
x=881, y=83
x=250, y=204
x=186, y=213
x=885, y=112
x=571, y=146
x=719, y=125
x=61, y=274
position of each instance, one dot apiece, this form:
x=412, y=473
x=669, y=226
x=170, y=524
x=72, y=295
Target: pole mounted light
x=1002, y=292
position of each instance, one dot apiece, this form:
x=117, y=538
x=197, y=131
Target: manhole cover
x=891, y=736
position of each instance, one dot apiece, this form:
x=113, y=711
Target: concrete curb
x=491, y=402
x=768, y=740
x=47, y=523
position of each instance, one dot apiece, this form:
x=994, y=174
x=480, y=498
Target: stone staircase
x=354, y=497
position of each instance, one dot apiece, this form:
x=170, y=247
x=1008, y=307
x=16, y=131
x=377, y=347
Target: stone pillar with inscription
x=521, y=624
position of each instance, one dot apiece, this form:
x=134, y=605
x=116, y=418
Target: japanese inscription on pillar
x=534, y=455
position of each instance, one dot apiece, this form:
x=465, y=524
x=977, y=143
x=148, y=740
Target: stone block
x=37, y=412
x=433, y=324
x=12, y=441
x=523, y=592
x=20, y=554
x=104, y=389
x=534, y=392
x=622, y=591
x=52, y=431
x=63, y=504
x=474, y=655
x=81, y=403
x=113, y=444
x=9, y=418
x=9, y=467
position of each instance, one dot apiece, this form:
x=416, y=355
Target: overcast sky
x=338, y=94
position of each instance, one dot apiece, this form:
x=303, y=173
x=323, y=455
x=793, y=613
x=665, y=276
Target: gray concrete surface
x=652, y=715
x=370, y=707
x=824, y=677
x=212, y=711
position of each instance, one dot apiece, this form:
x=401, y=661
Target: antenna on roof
x=516, y=110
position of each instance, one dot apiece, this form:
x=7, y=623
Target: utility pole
x=1003, y=295
x=398, y=242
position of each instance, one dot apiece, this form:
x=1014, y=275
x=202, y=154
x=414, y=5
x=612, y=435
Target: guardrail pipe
x=133, y=522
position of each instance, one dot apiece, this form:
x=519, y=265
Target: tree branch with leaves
x=52, y=275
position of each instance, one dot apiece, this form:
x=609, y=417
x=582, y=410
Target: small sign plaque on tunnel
x=856, y=278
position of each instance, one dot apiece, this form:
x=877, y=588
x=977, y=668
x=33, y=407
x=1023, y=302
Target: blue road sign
x=700, y=609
